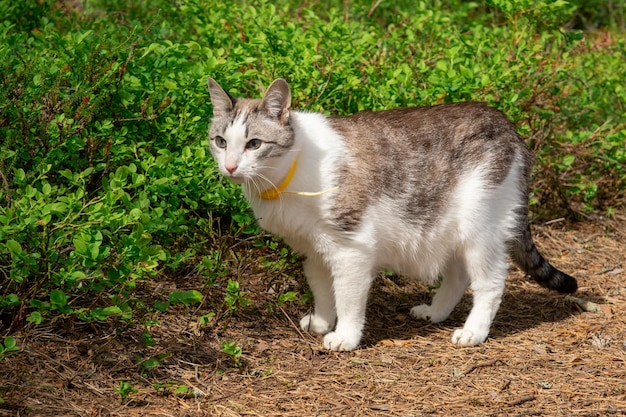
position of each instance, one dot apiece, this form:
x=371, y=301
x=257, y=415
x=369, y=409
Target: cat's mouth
x=237, y=179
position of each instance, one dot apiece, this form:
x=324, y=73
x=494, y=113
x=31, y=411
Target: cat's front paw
x=466, y=337
x=315, y=324
x=426, y=312
x=341, y=341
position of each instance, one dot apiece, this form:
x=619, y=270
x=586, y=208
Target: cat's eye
x=254, y=144
x=220, y=142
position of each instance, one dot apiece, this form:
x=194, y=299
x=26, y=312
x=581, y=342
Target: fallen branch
x=586, y=305
x=482, y=365
x=521, y=400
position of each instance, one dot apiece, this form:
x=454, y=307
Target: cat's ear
x=222, y=101
x=277, y=100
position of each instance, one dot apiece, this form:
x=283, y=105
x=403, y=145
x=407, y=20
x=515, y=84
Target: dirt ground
x=546, y=355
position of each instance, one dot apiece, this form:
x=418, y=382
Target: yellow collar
x=274, y=192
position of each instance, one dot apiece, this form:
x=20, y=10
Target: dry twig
x=483, y=365
x=586, y=305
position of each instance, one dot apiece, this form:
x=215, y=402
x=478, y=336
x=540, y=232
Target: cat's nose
x=231, y=168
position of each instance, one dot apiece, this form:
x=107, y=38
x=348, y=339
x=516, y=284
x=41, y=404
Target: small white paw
x=464, y=337
x=315, y=324
x=341, y=342
x=425, y=312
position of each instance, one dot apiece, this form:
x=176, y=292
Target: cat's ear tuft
x=277, y=100
x=222, y=101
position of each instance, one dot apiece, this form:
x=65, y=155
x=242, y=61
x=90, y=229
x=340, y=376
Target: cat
x=422, y=191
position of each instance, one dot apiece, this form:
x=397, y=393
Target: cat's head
x=251, y=139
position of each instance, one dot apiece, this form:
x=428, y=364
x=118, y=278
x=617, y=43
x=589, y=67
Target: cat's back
x=417, y=156
x=427, y=123
x=450, y=135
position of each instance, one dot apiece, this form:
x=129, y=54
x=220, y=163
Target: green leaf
x=81, y=37
x=125, y=389
x=67, y=174
x=55, y=208
x=20, y=175
x=170, y=84
x=442, y=65
x=568, y=160
x=150, y=48
x=14, y=247
x=80, y=246
x=205, y=319
x=161, y=305
x=94, y=250
x=185, y=297
x=77, y=276
x=287, y=297
x=34, y=317
x=10, y=344
x=10, y=300
x=148, y=340
x=181, y=390
x=232, y=349
x=102, y=314
x=58, y=301
x=150, y=363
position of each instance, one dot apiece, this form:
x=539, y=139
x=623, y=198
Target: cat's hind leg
x=322, y=319
x=455, y=281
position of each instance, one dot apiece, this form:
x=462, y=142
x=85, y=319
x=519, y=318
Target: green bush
x=103, y=166
x=105, y=179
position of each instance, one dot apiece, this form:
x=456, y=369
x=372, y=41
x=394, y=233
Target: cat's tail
x=525, y=254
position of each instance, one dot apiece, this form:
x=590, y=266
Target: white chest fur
x=297, y=215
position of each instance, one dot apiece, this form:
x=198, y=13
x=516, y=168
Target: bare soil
x=546, y=355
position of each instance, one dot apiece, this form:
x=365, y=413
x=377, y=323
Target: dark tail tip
x=557, y=281
x=525, y=254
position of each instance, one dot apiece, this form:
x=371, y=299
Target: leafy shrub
x=103, y=166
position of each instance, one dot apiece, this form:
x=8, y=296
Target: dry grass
x=545, y=355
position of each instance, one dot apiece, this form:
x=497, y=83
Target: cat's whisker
x=272, y=186
x=266, y=179
x=256, y=189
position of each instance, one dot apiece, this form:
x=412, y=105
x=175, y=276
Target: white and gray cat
x=423, y=191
